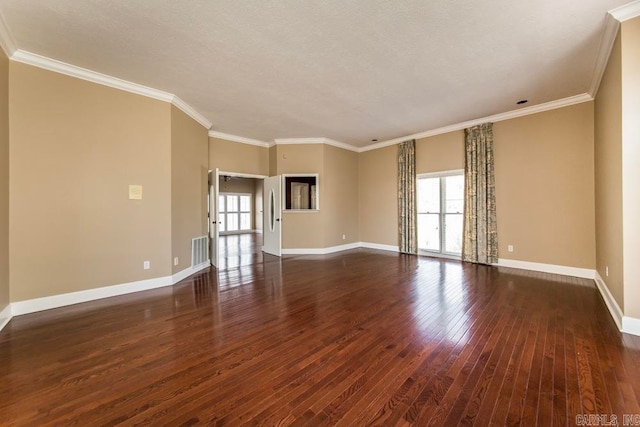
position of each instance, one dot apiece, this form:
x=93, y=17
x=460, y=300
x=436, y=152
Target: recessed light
x=374, y=140
x=522, y=101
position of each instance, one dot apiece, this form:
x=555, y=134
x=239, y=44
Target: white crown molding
x=627, y=11
x=106, y=80
x=6, y=39
x=240, y=139
x=322, y=140
x=342, y=145
x=606, y=46
x=190, y=111
x=547, y=106
x=552, y=105
x=294, y=141
x=89, y=75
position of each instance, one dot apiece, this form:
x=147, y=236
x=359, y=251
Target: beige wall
x=630, y=34
x=237, y=185
x=75, y=147
x=189, y=148
x=608, y=175
x=4, y=182
x=378, y=196
x=229, y=156
x=340, y=200
x=303, y=229
x=337, y=171
x=545, y=187
x=440, y=153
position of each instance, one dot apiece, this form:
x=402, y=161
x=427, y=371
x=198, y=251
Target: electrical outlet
x=344, y=237
x=510, y=248
x=175, y=261
x=606, y=271
x=146, y=265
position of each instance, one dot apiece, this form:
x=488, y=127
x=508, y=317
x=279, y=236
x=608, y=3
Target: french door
x=440, y=213
x=234, y=213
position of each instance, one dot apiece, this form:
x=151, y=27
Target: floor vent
x=199, y=250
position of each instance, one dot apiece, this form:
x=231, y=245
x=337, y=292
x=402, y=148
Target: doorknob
x=277, y=219
x=213, y=222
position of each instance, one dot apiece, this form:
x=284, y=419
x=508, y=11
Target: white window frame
x=441, y=253
x=239, y=212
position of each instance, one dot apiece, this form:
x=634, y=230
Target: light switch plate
x=135, y=192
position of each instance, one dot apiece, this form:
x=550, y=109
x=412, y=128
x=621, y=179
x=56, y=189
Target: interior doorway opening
x=236, y=219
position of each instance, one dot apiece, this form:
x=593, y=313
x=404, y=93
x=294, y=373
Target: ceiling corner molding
x=293, y=141
x=342, y=145
x=611, y=26
x=547, y=106
x=6, y=39
x=190, y=111
x=106, y=80
x=88, y=75
x=240, y=139
x=382, y=144
x=627, y=11
x=327, y=141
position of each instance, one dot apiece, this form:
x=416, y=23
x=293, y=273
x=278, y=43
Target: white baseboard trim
x=55, y=301
x=610, y=302
x=62, y=300
x=380, y=246
x=5, y=316
x=332, y=249
x=321, y=251
x=584, y=273
x=189, y=271
x=630, y=325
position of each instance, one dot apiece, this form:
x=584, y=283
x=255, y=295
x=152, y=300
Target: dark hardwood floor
x=238, y=250
x=354, y=338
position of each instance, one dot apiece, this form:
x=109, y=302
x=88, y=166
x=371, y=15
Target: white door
x=272, y=232
x=213, y=218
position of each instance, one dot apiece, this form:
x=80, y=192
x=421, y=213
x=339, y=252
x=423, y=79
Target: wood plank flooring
x=360, y=337
x=237, y=250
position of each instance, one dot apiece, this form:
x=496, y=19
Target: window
x=440, y=210
x=234, y=212
x=301, y=192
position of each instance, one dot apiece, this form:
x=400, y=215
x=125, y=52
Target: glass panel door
x=440, y=214
x=235, y=213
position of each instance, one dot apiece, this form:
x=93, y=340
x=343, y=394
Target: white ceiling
x=348, y=70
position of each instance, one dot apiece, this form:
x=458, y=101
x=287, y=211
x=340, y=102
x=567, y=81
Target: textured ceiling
x=346, y=70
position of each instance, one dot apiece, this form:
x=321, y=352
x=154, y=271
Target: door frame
x=216, y=187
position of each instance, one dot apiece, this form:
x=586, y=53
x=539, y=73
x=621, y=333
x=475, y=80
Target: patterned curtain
x=407, y=227
x=480, y=242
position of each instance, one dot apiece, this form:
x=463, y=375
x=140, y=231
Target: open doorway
x=240, y=210
x=236, y=230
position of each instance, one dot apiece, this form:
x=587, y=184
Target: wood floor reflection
x=238, y=250
x=354, y=338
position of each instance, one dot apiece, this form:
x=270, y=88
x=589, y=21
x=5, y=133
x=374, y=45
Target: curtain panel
x=407, y=221
x=480, y=235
